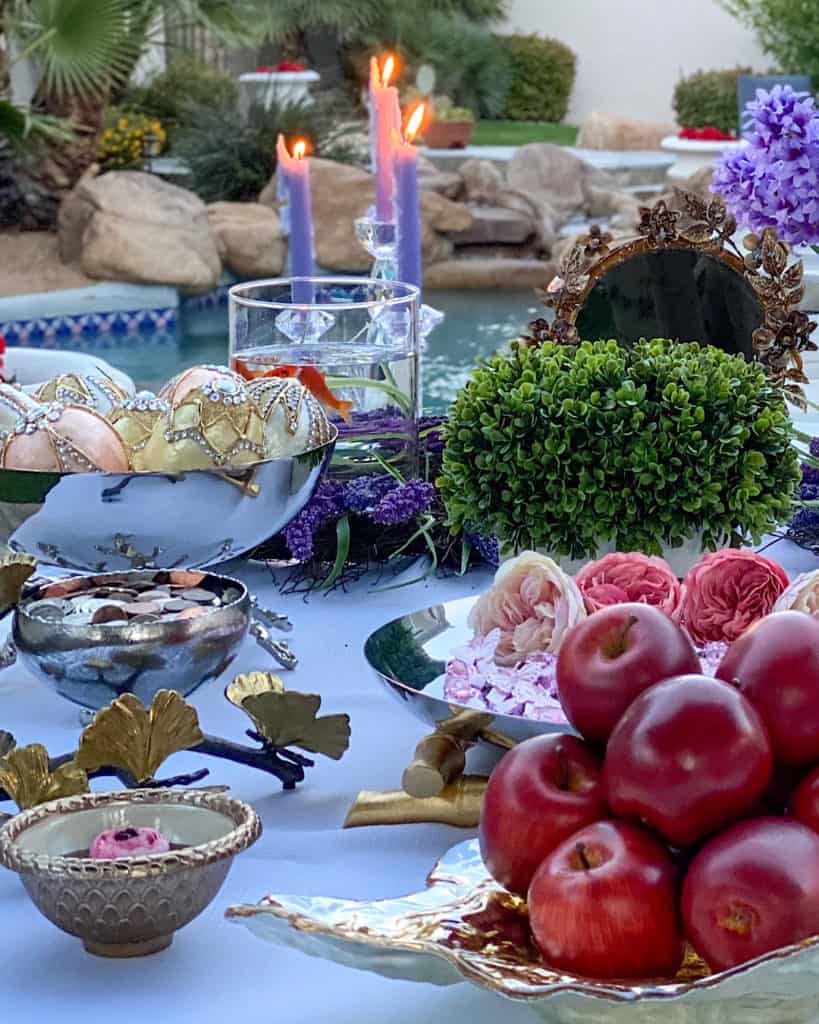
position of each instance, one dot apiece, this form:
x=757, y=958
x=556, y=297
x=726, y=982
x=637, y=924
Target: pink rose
x=801, y=596
x=532, y=602
x=629, y=576
x=727, y=592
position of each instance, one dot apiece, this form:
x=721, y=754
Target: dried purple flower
x=326, y=506
x=404, y=502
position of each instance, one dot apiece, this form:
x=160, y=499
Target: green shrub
x=126, y=138
x=184, y=86
x=233, y=159
x=543, y=72
x=564, y=448
x=708, y=99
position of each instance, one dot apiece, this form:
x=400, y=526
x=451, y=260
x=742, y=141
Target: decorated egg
x=208, y=376
x=64, y=439
x=134, y=420
x=14, y=404
x=94, y=391
x=294, y=421
x=211, y=421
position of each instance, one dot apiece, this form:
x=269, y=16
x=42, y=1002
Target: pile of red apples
x=687, y=812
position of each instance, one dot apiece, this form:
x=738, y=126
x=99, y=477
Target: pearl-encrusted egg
x=134, y=420
x=211, y=421
x=64, y=439
x=14, y=403
x=94, y=391
x=294, y=421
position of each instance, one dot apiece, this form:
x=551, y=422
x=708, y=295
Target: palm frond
x=19, y=127
x=82, y=46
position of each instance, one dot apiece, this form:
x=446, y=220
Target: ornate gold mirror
x=683, y=277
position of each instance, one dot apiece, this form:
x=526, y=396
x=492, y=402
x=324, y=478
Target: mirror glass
x=673, y=293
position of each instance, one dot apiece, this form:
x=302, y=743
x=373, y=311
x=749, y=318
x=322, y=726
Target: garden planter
x=448, y=134
x=692, y=155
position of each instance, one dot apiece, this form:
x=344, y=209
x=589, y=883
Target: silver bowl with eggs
x=91, y=662
x=95, y=480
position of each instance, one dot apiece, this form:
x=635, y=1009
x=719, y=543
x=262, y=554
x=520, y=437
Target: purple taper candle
x=296, y=170
x=385, y=112
x=408, y=202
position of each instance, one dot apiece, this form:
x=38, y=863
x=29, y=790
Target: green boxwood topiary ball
x=565, y=448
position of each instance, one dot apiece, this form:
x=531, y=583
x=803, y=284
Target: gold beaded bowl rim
x=247, y=829
x=231, y=471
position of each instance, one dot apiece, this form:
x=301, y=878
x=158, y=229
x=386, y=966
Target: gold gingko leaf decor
x=25, y=776
x=289, y=719
x=251, y=684
x=15, y=569
x=125, y=735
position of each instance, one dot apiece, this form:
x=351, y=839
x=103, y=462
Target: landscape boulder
x=132, y=226
x=486, y=273
x=249, y=238
x=608, y=131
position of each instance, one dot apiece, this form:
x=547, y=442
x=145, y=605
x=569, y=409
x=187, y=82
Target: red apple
x=752, y=889
x=804, y=802
x=689, y=756
x=604, y=905
x=541, y=792
x=776, y=666
x=608, y=659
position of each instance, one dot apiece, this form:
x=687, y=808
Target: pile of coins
x=118, y=599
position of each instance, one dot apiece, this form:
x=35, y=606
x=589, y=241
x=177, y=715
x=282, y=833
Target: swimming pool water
x=476, y=325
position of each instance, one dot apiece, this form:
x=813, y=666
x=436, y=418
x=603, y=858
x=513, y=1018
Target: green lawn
x=518, y=133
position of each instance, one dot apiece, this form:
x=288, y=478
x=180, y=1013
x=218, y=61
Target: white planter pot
x=265, y=87
x=691, y=155
x=680, y=559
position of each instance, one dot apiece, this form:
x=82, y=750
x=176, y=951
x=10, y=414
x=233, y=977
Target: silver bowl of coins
x=93, y=638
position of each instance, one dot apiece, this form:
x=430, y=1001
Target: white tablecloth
x=216, y=971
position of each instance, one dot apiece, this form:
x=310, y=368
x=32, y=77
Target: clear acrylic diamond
x=304, y=326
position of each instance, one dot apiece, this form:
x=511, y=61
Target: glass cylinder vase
x=353, y=342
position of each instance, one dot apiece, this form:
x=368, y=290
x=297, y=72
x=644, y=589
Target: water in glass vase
x=368, y=391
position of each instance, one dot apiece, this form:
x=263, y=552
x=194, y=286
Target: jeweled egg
x=92, y=390
x=64, y=439
x=294, y=421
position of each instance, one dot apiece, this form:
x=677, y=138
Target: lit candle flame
x=387, y=70
x=414, y=122
x=299, y=149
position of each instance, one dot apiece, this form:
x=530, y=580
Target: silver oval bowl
x=100, y=522
x=409, y=657
x=93, y=664
x=130, y=906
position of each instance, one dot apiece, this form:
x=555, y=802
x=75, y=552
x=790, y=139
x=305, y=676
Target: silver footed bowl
x=91, y=665
x=133, y=905
x=464, y=927
x=99, y=522
x=409, y=656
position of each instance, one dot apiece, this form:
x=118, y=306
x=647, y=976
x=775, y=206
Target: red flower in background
x=707, y=134
x=285, y=65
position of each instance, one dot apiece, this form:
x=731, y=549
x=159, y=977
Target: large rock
x=341, y=193
x=432, y=179
x=495, y=225
x=485, y=185
x=249, y=238
x=482, y=274
x=132, y=226
x=608, y=131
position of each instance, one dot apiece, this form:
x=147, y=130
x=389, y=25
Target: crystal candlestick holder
x=380, y=239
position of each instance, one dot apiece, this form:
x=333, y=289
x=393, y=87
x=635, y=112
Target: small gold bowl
x=130, y=906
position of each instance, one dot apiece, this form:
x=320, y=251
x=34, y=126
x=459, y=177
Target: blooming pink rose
x=727, y=592
x=532, y=602
x=801, y=596
x=629, y=576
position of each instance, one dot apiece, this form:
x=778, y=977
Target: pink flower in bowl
x=532, y=602
x=727, y=592
x=629, y=576
x=801, y=596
